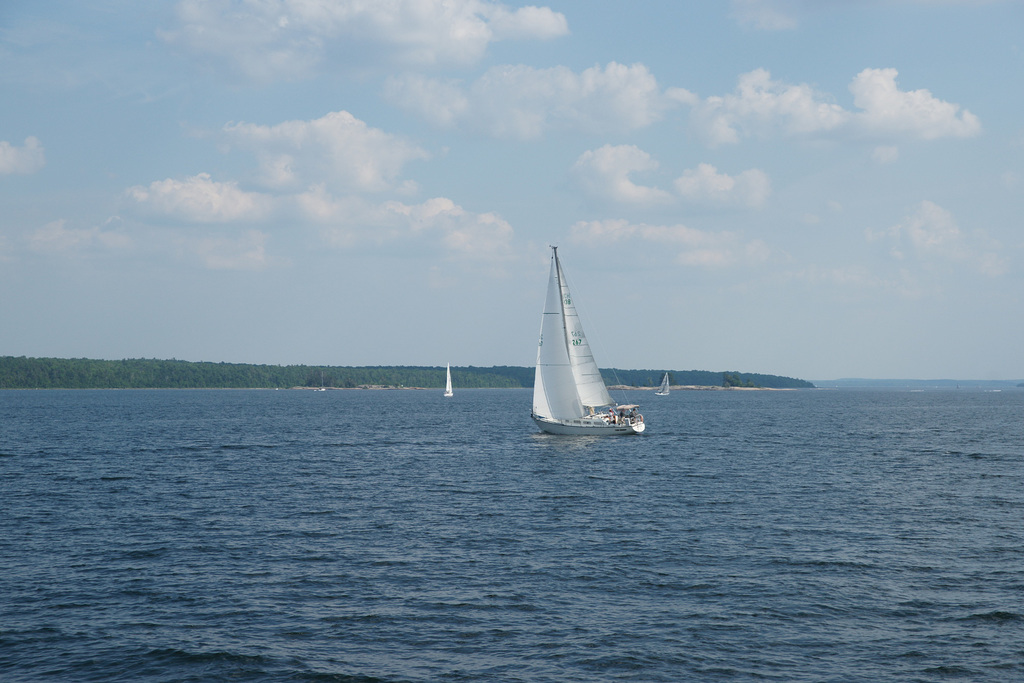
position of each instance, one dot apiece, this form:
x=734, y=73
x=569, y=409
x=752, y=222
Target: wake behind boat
x=569, y=394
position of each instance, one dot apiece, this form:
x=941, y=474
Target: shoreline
x=699, y=387
x=615, y=387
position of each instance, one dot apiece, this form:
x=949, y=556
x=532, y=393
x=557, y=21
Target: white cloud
x=760, y=106
x=200, y=199
x=443, y=103
x=605, y=173
x=932, y=228
x=56, y=237
x=318, y=174
x=476, y=234
x=300, y=162
x=337, y=149
x=706, y=184
x=351, y=222
x=516, y=101
x=266, y=40
x=696, y=247
x=524, y=23
x=889, y=110
x=320, y=206
x=23, y=160
x=931, y=233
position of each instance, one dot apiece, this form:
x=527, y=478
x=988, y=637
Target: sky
x=812, y=188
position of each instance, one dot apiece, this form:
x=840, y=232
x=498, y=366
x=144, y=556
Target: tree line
x=703, y=378
x=141, y=373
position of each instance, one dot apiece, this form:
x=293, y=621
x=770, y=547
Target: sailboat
x=663, y=389
x=569, y=394
x=448, y=382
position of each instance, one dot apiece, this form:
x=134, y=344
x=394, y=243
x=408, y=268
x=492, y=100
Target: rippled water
x=400, y=536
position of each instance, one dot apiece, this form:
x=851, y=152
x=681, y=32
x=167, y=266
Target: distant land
x=141, y=373
x=861, y=383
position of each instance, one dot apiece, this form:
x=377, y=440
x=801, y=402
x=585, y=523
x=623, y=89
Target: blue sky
x=812, y=188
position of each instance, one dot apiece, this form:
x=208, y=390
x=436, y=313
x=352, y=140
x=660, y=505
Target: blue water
x=360, y=536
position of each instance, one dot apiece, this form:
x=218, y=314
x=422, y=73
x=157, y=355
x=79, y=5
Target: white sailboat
x=663, y=389
x=569, y=395
x=448, y=382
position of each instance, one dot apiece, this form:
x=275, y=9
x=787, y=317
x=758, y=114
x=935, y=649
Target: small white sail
x=568, y=389
x=663, y=389
x=448, y=381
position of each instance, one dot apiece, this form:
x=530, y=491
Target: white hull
x=587, y=426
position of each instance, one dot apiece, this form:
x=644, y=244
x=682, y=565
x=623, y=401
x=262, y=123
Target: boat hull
x=587, y=427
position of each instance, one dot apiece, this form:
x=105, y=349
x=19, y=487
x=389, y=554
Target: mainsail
x=567, y=383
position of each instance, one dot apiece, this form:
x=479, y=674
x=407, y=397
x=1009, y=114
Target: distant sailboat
x=448, y=382
x=663, y=389
x=569, y=395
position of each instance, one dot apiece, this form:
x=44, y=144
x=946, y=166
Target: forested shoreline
x=140, y=373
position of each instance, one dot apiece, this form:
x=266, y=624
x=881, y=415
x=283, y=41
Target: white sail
x=448, y=382
x=554, y=386
x=663, y=389
x=590, y=387
x=567, y=385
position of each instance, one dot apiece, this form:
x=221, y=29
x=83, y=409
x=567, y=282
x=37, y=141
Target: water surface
x=359, y=536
